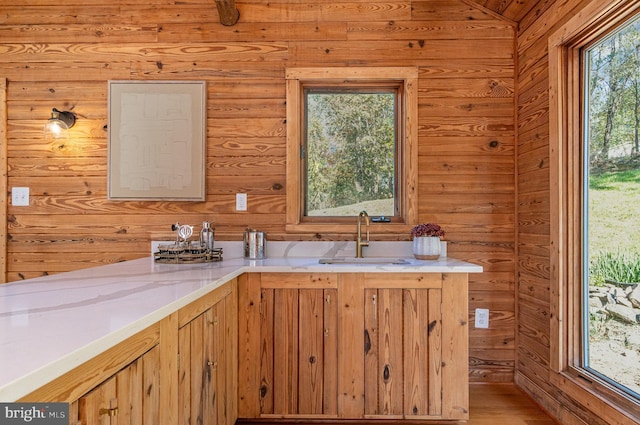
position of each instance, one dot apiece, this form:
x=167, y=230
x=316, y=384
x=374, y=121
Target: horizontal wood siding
x=62, y=55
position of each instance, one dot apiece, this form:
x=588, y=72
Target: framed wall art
x=157, y=140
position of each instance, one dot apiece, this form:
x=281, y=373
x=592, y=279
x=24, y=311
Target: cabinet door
x=206, y=347
x=298, y=356
x=129, y=397
x=402, y=352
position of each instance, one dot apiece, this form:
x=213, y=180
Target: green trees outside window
x=350, y=152
x=611, y=329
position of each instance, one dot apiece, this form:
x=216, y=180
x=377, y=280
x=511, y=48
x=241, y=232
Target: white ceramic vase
x=426, y=247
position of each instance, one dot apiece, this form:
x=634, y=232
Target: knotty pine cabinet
x=179, y=370
x=129, y=397
x=206, y=365
x=353, y=346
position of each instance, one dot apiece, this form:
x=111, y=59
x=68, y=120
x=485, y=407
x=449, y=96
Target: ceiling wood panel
x=514, y=10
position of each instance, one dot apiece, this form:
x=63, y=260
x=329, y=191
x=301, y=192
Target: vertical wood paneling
x=330, y=332
x=184, y=377
x=416, y=343
x=351, y=388
x=169, y=359
x=434, y=333
x=130, y=394
x=150, y=388
x=390, y=364
x=267, y=332
x=311, y=352
x=285, y=351
x=55, y=55
x=207, y=384
x=249, y=343
x=103, y=397
x=231, y=355
x=197, y=379
x=454, y=334
x=371, y=349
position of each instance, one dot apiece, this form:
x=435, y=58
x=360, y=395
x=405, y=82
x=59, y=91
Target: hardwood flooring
x=489, y=404
x=504, y=404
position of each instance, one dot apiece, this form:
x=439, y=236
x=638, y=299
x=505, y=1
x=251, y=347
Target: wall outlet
x=241, y=201
x=20, y=196
x=482, y=318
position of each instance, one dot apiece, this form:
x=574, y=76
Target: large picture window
x=594, y=69
x=351, y=146
x=611, y=207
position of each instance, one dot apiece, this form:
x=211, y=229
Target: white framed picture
x=157, y=140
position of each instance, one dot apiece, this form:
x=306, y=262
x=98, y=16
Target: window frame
x=394, y=87
x=566, y=156
x=406, y=145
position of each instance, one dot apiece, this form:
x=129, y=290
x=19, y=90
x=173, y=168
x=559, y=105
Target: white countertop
x=52, y=324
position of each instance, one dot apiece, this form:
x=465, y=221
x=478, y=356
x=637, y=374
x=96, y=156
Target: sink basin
x=366, y=260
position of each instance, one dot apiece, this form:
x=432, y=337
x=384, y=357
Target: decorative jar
x=426, y=247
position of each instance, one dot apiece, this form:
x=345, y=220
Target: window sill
x=403, y=231
x=589, y=390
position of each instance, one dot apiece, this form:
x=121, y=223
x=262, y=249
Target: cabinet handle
x=374, y=301
x=109, y=412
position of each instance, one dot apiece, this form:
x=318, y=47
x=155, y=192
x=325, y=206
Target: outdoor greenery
x=614, y=95
x=614, y=228
x=350, y=150
x=614, y=156
x=615, y=267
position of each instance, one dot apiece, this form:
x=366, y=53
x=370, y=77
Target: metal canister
x=255, y=244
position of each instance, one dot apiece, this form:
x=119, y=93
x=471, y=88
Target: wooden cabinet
x=287, y=345
x=180, y=370
x=402, y=352
x=129, y=397
x=298, y=340
x=206, y=350
x=353, y=346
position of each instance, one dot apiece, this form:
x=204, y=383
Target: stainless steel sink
x=366, y=260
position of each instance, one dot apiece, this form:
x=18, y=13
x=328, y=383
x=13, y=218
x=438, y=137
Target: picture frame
x=156, y=140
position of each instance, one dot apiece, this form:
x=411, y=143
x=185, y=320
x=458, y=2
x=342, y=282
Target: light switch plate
x=241, y=201
x=482, y=318
x=20, y=196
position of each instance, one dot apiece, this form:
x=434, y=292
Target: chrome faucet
x=359, y=242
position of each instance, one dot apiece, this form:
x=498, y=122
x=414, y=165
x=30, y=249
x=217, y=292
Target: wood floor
x=489, y=404
x=503, y=404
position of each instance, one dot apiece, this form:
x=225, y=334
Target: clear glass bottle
x=207, y=236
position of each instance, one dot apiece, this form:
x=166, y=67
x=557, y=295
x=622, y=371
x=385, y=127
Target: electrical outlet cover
x=20, y=196
x=241, y=201
x=482, y=318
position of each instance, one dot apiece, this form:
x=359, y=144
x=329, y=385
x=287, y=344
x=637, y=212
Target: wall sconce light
x=57, y=127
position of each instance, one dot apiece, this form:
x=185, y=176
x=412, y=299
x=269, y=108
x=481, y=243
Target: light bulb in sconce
x=57, y=127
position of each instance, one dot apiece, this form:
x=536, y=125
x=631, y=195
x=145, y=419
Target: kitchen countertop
x=52, y=324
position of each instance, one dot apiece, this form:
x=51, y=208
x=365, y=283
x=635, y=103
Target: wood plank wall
x=533, y=292
x=62, y=55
